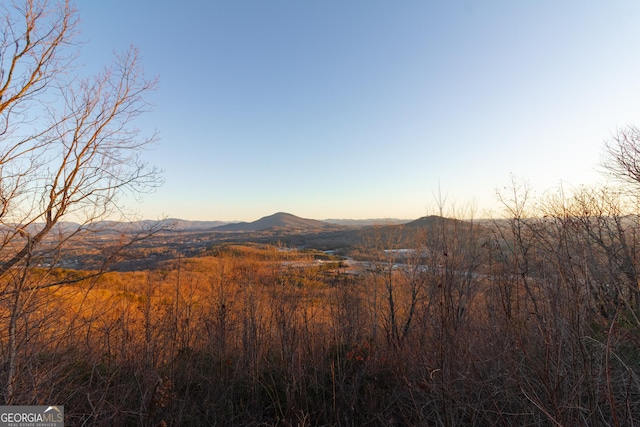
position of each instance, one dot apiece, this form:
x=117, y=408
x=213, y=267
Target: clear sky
x=366, y=109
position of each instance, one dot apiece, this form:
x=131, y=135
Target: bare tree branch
x=68, y=150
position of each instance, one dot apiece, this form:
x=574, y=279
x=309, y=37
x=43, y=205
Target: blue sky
x=367, y=109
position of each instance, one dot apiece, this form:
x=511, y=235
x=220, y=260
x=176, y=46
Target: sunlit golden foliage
x=255, y=334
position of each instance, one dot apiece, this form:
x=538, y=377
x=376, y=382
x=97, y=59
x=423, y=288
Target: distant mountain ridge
x=280, y=220
x=184, y=225
x=367, y=222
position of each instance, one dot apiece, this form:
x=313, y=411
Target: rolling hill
x=277, y=221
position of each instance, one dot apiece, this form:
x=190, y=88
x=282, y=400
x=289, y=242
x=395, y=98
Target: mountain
x=186, y=225
x=119, y=227
x=367, y=222
x=432, y=221
x=172, y=224
x=280, y=220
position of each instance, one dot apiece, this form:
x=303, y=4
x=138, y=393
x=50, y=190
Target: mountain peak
x=280, y=215
x=278, y=220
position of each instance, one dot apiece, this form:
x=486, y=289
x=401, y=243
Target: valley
x=170, y=239
x=285, y=319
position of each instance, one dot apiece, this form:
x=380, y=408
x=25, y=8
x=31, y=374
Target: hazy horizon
x=370, y=109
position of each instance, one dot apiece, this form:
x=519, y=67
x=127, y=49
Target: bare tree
x=622, y=155
x=67, y=150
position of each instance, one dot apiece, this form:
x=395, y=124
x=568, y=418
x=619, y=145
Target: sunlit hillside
x=435, y=322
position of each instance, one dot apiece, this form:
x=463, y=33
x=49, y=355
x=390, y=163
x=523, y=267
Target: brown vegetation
x=533, y=320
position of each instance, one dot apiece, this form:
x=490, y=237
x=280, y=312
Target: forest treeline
x=531, y=320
